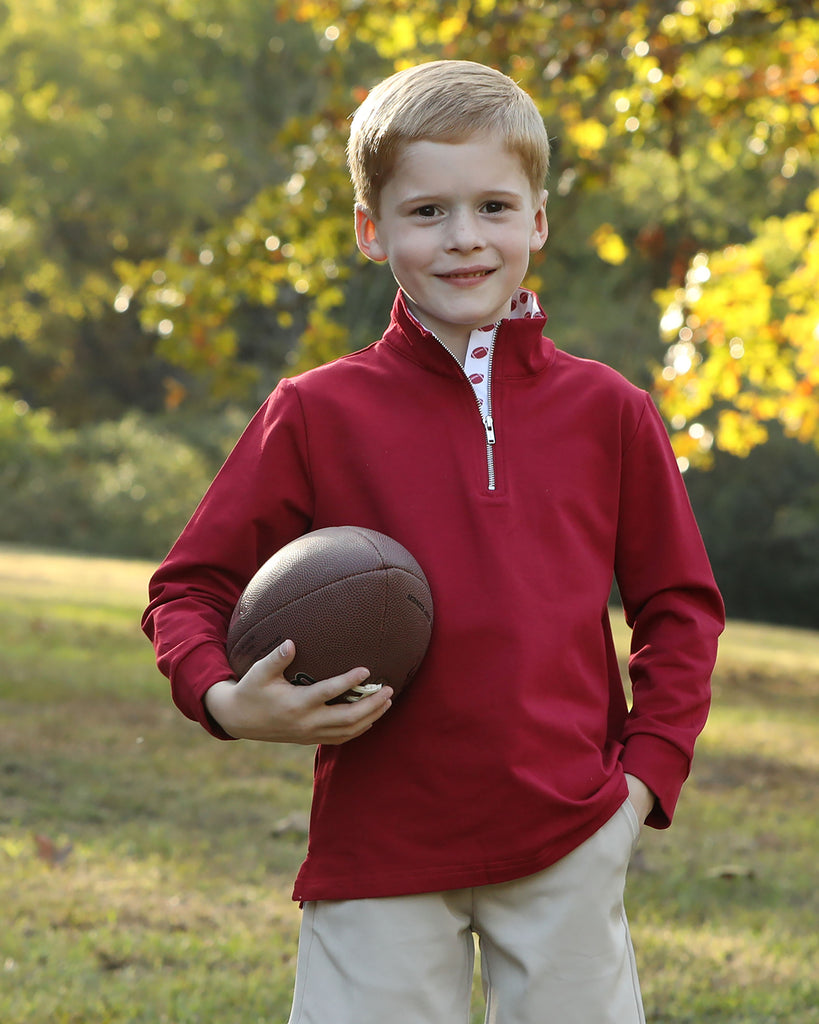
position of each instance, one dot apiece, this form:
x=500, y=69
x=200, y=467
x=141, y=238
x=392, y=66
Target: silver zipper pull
x=489, y=427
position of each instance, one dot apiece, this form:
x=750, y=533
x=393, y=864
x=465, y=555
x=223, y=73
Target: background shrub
x=120, y=488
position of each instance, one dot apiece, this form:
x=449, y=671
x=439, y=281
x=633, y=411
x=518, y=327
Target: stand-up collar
x=520, y=347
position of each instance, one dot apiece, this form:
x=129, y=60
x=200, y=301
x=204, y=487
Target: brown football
x=347, y=597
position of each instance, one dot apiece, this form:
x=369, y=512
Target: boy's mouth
x=470, y=273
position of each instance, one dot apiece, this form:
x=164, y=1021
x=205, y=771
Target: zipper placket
x=487, y=420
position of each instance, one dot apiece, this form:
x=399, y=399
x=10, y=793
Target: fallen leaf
x=731, y=871
x=47, y=850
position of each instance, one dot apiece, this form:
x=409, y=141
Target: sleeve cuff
x=193, y=677
x=662, y=767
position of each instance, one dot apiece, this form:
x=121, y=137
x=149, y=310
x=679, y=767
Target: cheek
x=409, y=254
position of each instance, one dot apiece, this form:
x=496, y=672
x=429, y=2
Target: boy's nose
x=465, y=233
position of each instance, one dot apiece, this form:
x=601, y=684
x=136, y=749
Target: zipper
x=489, y=427
x=487, y=420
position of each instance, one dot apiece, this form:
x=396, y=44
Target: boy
x=504, y=792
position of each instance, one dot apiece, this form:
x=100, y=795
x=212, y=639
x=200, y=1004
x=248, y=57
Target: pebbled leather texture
x=347, y=597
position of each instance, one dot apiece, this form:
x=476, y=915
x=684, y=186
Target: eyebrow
x=431, y=198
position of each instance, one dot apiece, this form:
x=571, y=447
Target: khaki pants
x=555, y=948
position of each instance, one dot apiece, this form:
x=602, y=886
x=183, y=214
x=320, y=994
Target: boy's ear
x=366, y=235
x=540, y=229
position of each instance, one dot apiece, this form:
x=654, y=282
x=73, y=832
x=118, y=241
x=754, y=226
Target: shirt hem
x=444, y=879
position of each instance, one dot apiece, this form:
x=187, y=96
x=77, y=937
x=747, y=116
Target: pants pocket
x=633, y=820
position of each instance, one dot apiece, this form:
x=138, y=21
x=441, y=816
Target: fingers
x=330, y=689
x=334, y=723
x=273, y=666
x=275, y=710
x=328, y=724
x=325, y=690
x=277, y=661
x=345, y=722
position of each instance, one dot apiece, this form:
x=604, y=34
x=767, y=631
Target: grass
x=159, y=887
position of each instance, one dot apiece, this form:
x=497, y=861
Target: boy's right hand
x=263, y=705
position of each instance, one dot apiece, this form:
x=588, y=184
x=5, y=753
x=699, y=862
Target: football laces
x=355, y=693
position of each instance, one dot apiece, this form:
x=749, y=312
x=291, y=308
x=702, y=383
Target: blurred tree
x=759, y=517
x=678, y=127
x=128, y=130
x=744, y=332
x=174, y=191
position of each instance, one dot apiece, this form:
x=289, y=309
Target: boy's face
x=457, y=223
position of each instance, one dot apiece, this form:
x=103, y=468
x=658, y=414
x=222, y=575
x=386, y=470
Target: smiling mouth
x=466, y=275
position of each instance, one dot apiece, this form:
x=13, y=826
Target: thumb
x=279, y=658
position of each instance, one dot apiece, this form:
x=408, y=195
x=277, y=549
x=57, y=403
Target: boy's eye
x=426, y=211
x=494, y=206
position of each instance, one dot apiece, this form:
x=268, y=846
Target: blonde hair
x=445, y=101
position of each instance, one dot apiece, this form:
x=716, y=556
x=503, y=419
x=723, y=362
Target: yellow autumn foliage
x=608, y=245
x=756, y=316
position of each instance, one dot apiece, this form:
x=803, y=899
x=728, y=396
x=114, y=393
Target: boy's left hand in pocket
x=641, y=797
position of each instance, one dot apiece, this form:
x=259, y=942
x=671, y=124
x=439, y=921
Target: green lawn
x=173, y=902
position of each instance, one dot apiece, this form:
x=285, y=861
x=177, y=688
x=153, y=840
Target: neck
x=456, y=346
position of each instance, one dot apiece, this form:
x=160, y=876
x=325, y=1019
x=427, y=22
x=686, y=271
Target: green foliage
x=759, y=517
x=176, y=207
x=121, y=487
x=127, y=131
x=33, y=484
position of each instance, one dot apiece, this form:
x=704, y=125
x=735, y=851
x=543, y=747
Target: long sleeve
x=674, y=608
x=260, y=500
